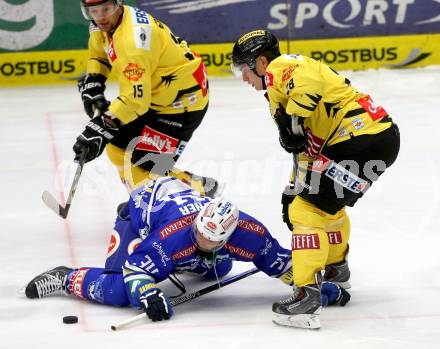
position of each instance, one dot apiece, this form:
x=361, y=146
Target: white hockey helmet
x=216, y=222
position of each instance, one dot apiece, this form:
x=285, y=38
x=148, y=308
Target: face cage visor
x=239, y=69
x=196, y=237
x=93, y=12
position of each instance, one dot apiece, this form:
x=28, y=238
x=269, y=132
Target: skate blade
x=309, y=321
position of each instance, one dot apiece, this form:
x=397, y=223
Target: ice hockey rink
x=395, y=239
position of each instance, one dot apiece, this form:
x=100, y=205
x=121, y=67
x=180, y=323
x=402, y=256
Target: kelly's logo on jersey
x=157, y=142
x=133, y=71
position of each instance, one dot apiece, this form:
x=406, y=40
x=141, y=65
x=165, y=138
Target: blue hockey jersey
x=154, y=239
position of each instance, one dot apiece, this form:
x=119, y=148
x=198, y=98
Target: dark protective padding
x=383, y=146
x=179, y=126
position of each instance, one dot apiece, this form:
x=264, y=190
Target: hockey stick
x=191, y=296
x=53, y=204
x=296, y=129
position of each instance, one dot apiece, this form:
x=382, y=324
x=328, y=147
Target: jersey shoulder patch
x=142, y=28
x=268, y=79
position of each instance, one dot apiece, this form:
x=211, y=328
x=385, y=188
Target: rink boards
x=406, y=51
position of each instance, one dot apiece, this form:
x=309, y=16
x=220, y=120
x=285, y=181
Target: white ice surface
x=395, y=239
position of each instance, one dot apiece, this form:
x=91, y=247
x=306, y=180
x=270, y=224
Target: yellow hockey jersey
x=332, y=109
x=155, y=69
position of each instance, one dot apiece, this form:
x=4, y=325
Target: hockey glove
x=286, y=199
x=333, y=294
x=156, y=305
x=98, y=132
x=92, y=89
x=291, y=142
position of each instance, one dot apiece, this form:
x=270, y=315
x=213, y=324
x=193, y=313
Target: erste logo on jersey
x=141, y=16
x=268, y=79
x=345, y=178
x=133, y=72
x=157, y=142
x=339, y=174
x=141, y=29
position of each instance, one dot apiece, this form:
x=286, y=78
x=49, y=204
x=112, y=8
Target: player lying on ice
x=167, y=227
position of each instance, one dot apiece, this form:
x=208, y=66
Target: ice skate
x=302, y=309
x=338, y=273
x=51, y=282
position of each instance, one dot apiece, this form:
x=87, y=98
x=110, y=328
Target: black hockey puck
x=70, y=319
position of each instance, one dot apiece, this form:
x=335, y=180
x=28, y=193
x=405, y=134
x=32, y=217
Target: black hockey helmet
x=253, y=44
x=85, y=4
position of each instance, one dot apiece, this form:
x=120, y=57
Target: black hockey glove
x=98, y=132
x=156, y=305
x=92, y=89
x=291, y=142
x=286, y=199
x=333, y=294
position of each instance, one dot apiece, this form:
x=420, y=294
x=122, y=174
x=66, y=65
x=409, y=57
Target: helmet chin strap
x=263, y=80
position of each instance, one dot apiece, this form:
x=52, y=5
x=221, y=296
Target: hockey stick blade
x=53, y=204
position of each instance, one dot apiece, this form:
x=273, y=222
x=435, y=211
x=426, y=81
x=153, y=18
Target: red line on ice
x=67, y=225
